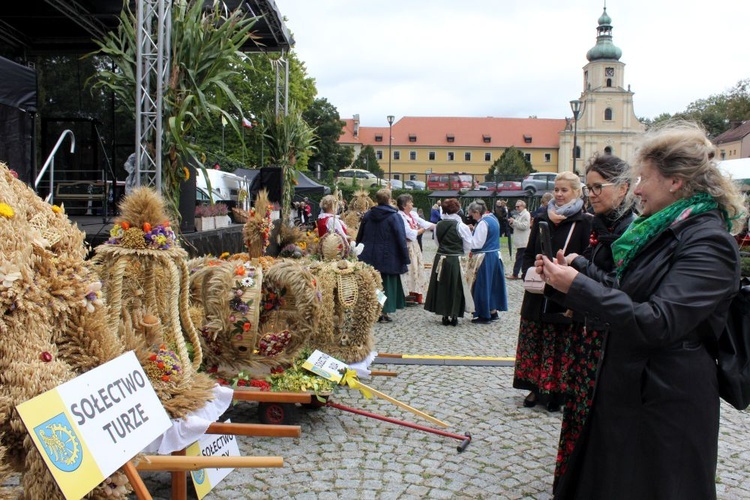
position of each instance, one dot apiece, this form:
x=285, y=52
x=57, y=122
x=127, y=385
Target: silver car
x=539, y=181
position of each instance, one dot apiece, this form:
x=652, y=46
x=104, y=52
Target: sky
x=512, y=58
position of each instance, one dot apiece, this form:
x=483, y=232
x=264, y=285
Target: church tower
x=606, y=120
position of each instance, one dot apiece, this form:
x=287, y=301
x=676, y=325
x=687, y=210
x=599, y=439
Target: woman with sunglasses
x=609, y=188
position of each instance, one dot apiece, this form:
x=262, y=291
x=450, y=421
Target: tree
x=511, y=164
x=368, y=160
x=330, y=154
x=716, y=112
x=254, y=85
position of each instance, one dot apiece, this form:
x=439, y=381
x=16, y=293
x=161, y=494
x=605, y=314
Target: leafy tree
x=330, y=154
x=368, y=160
x=715, y=112
x=511, y=164
x=254, y=85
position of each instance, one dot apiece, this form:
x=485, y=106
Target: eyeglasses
x=596, y=189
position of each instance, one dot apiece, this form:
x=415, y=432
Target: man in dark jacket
x=384, y=238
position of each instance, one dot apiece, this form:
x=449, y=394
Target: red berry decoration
x=46, y=357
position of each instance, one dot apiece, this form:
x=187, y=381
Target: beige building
x=424, y=145
x=606, y=123
x=735, y=142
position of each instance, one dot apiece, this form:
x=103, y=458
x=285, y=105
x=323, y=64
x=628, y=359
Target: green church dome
x=604, y=48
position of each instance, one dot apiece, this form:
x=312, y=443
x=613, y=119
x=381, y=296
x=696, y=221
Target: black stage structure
x=67, y=28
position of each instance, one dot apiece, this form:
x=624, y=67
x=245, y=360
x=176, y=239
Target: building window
x=397, y=155
x=527, y=139
x=412, y=155
x=608, y=114
x=527, y=156
x=608, y=150
x=431, y=156
x=723, y=155
x=450, y=138
x=412, y=138
x=578, y=151
x=547, y=157
x=486, y=139
x=397, y=177
x=412, y=177
x=467, y=156
x=378, y=138
x=379, y=154
x=487, y=156
x=451, y=156
x=609, y=82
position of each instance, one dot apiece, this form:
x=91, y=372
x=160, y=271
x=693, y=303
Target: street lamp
x=575, y=106
x=390, y=146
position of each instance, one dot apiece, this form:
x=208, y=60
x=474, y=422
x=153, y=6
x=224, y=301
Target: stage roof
x=33, y=27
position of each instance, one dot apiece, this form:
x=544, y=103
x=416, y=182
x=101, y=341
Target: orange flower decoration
x=125, y=225
x=146, y=227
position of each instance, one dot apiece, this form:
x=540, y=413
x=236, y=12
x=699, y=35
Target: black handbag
x=733, y=355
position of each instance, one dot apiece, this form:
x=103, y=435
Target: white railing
x=50, y=164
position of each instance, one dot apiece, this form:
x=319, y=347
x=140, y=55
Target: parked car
x=539, y=181
x=358, y=177
x=398, y=184
x=509, y=186
x=444, y=182
x=486, y=186
x=416, y=184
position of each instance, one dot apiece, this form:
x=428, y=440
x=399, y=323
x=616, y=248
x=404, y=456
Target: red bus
x=449, y=182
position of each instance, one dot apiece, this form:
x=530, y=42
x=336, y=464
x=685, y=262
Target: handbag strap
x=570, y=233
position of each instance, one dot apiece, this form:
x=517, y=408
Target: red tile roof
x=467, y=132
x=734, y=134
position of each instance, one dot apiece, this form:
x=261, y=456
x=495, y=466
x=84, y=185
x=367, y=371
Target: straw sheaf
x=252, y=232
x=155, y=284
x=47, y=334
x=302, y=305
x=211, y=287
x=142, y=205
x=345, y=328
x=333, y=246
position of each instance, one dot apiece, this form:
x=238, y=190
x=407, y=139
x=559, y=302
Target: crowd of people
x=638, y=265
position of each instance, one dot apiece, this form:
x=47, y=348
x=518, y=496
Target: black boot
x=454, y=321
x=446, y=321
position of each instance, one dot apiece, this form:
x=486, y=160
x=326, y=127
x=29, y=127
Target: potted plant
x=221, y=217
x=204, y=220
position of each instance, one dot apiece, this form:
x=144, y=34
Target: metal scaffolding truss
x=154, y=18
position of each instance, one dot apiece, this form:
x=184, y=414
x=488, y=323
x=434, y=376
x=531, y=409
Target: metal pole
x=575, y=141
x=390, y=147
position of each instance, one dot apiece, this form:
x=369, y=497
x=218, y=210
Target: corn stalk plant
x=205, y=52
x=287, y=139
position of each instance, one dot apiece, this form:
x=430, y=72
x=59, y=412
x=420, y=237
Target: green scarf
x=643, y=229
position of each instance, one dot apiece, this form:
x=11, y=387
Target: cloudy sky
x=512, y=58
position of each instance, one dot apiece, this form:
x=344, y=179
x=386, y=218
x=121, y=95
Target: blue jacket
x=382, y=233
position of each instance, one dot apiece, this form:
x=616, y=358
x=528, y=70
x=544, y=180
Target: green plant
x=288, y=138
x=205, y=54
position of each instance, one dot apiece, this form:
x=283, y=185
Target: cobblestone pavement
x=342, y=455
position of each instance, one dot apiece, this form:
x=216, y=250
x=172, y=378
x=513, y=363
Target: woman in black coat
x=610, y=194
x=653, y=427
x=545, y=327
x=382, y=233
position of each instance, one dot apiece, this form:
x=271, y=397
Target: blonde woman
x=545, y=326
